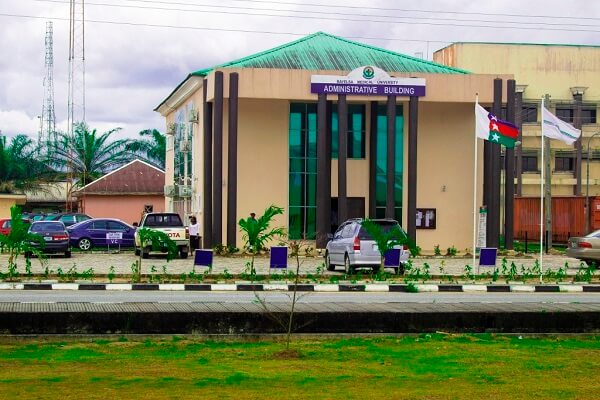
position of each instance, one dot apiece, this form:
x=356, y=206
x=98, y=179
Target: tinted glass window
x=98, y=225
x=348, y=231
x=385, y=226
x=47, y=227
x=80, y=217
x=163, y=220
x=67, y=218
x=116, y=226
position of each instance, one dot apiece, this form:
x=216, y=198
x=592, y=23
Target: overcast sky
x=138, y=51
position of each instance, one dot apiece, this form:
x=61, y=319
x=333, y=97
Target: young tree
x=257, y=232
x=387, y=240
x=19, y=240
x=158, y=241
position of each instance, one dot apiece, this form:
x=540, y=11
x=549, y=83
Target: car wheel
x=328, y=264
x=145, y=253
x=84, y=244
x=28, y=254
x=68, y=254
x=136, y=251
x=347, y=267
x=183, y=254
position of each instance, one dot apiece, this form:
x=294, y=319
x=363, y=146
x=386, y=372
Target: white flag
x=555, y=128
x=482, y=122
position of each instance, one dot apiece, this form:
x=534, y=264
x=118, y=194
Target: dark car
x=101, y=232
x=55, y=236
x=67, y=218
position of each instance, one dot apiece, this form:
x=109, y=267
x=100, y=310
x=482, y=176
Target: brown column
x=509, y=182
x=493, y=223
x=232, y=140
x=323, y=175
x=413, y=118
x=372, y=159
x=578, y=97
x=342, y=155
x=390, y=203
x=207, y=173
x=519, y=149
x=218, y=161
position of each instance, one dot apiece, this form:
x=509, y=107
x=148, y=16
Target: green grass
x=409, y=367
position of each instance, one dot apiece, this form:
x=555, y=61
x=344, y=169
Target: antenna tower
x=47, y=136
x=76, y=106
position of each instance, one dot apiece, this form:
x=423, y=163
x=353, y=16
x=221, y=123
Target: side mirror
x=330, y=236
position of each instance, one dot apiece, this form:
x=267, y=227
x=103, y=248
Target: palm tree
x=88, y=155
x=20, y=167
x=151, y=147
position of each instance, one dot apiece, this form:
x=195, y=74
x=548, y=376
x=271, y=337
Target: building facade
x=255, y=132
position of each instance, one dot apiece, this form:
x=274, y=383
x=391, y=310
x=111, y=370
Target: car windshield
x=47, y=227
x=168, y=220
x=386, y=226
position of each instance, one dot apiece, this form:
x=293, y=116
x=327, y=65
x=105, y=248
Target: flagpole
x=542, y=199
x=475, y=187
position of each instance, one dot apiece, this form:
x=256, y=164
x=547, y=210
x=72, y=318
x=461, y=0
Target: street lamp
x=587, y=186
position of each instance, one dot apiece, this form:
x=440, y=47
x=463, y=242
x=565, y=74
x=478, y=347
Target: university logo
x=368, y=73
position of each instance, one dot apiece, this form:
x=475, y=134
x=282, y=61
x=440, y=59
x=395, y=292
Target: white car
x=352, y=246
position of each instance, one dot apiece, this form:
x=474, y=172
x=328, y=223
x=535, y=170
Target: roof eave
x=190, y=84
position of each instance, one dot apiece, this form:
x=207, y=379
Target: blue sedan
x=101, y=232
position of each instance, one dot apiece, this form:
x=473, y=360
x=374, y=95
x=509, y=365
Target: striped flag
x=489, y=127
x=554, y=128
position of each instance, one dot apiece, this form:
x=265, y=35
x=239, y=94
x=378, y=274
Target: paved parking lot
x=101, y=262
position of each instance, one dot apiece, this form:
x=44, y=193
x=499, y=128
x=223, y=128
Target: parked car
x=55, y=236
x=586, y=248
x=93, y=233
x=352, y=246
x=5, y=225
x=169, y=223
x=67, y=218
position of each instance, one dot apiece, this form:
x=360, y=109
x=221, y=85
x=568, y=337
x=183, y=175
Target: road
x=61, y=296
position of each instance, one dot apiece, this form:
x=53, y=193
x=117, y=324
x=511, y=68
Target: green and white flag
x=554, y=128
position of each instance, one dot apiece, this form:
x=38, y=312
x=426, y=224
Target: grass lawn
x=410, y=367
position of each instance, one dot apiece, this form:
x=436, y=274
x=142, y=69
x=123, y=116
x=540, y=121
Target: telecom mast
x=47, y=137
x=76, y=106
x=76, y=65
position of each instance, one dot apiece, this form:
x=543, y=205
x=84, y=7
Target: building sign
x=114, y=237
x=367, y=81
x=425, y=218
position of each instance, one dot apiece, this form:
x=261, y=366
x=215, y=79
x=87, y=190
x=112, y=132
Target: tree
x=88, y=155
x=158, y=241
x=386, y=240
x=257, y=232
x=20, y=167
x=150, y=147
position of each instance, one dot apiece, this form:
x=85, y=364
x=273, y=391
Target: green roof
x=322, y=51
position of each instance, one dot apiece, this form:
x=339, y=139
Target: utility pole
x=547, y=185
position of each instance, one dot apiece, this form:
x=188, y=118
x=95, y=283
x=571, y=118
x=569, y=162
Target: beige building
x=570, y=75
x=265, y=129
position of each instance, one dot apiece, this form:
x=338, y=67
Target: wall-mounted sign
x=425, y=218
x=367, y=81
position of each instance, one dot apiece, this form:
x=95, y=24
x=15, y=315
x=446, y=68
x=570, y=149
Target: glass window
x=303, y=170
x=98, y=225
x=529, y=113
x=565, y=113
x=588, y=115
x=381, y=162
x=356, y=131
x=116, y=226
x=529, y=163
x=564, y=163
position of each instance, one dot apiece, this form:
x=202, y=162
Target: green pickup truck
x=169, y=223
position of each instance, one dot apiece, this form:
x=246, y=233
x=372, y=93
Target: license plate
x=47, y=238
x=573, y=245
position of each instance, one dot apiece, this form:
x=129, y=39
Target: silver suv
x=351, y=246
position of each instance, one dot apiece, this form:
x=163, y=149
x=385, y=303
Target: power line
x=376, y=8
x=392, y=19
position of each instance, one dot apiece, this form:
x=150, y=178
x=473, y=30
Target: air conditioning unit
x=185, y=145
x=193, y=116
x=171, y=128
x=184, y=191
x=170, y=190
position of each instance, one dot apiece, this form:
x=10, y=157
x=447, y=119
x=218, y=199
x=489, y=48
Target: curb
x=249, y=287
